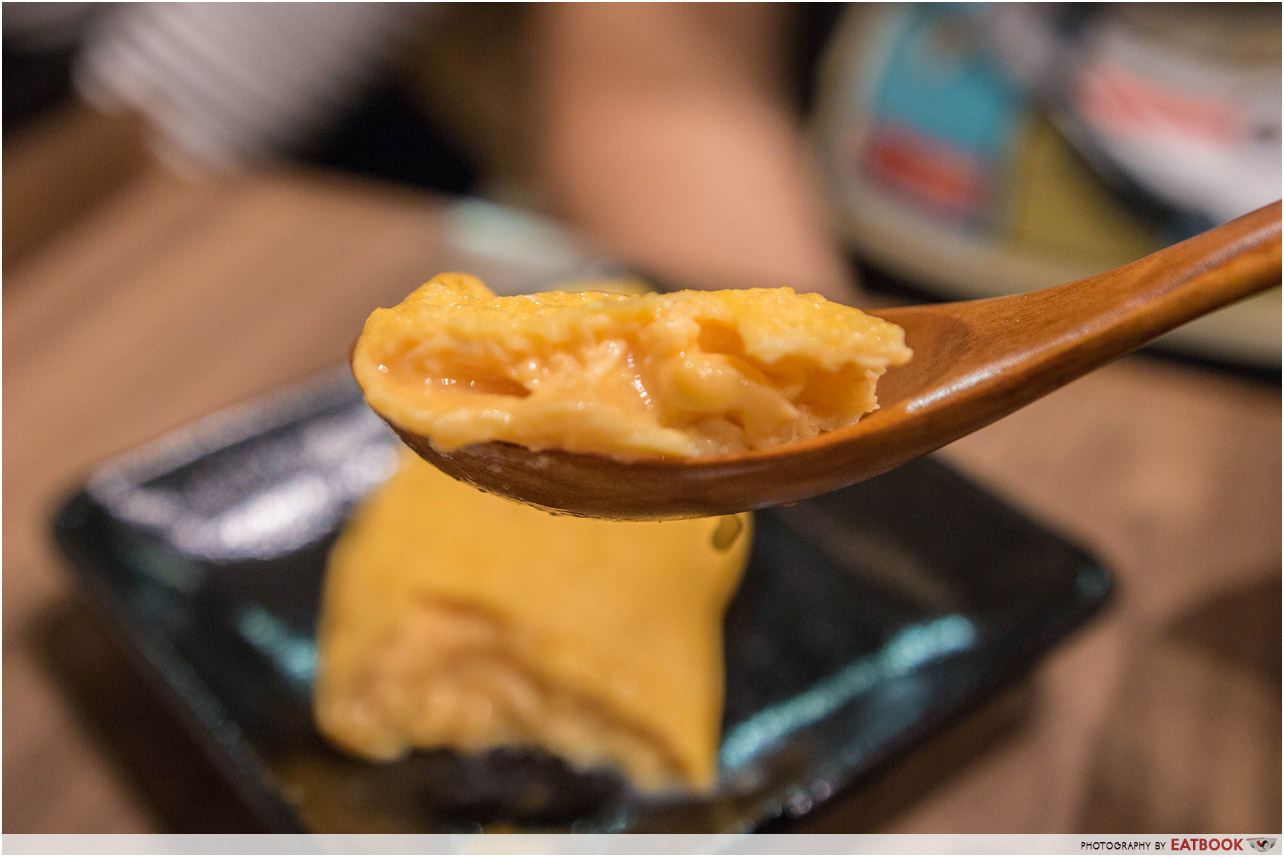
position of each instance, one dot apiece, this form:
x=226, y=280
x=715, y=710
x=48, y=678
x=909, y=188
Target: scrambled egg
x=680, y=374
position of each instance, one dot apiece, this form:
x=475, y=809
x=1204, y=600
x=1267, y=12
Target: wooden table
x=167, y=303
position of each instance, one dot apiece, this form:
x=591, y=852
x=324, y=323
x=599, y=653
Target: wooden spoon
x=974, y=362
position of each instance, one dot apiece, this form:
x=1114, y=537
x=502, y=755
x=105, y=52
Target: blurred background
x=941, y=151
x=177, y=176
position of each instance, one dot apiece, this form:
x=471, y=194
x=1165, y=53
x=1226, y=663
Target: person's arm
x=665, y=131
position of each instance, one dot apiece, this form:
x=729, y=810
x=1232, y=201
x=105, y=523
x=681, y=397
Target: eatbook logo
x=1261, y=844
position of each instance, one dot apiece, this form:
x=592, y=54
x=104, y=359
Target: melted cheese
x=680, y=374
x=453, y=618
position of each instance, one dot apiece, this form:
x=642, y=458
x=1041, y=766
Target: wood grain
x=167, y=302
x=55, y=172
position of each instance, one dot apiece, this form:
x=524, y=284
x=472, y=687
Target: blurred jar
x=986, y=149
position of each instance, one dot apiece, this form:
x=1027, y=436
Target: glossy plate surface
x=868, y=619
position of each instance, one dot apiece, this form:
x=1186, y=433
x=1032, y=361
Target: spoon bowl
x=974, y=362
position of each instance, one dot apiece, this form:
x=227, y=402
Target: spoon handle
x=1129, y=306
x=980, y=360
x=1112, y=313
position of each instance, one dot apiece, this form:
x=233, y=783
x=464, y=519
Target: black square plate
x=868, y=618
